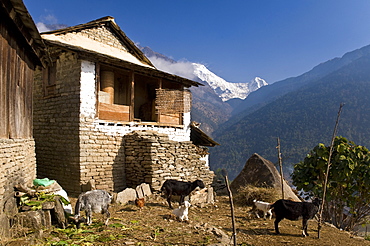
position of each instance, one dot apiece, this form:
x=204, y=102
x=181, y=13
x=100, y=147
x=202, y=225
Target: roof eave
x=200, y=137
x=20, y=16
x=150, y=71
x=108, y=20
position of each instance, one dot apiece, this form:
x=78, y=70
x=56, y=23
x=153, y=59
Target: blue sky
x=238, y=39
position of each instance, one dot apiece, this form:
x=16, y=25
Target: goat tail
x=254, y=200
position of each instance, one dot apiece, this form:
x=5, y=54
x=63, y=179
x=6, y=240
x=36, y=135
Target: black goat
x=180, y=188
x=292, y=210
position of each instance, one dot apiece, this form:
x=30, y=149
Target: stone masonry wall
x=152, y=158
x=102, y=159
x=18, y=166
x=103, y=35
x=56, y=124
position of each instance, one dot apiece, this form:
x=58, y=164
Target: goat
x=292, y=210
x=94, y=201
x=182, y=212
x=265, y=207
x=180, y=188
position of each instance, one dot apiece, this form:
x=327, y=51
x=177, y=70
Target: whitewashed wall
x=88, y=87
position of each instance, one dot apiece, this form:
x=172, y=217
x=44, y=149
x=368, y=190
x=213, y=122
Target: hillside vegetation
x=208, y=109
x=301, y=119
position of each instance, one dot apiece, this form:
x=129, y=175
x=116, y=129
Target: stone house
x=103, y=112
x=21, y=50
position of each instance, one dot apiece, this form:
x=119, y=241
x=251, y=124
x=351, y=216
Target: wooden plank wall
x=16, y=79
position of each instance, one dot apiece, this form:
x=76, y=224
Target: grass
x=154, y=226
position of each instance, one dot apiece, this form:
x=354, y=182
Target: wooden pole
x=159, y=111
x=132, y=96
x=327, y=170
x=224, y=173
x=107, y=84
x=281, y=168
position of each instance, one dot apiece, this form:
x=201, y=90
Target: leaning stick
x=327, y=170
x=224, y=173
x=281, y=168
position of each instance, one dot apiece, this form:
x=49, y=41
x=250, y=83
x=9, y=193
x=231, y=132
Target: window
x=127, y=96
x=114, y=95
x=49, y=79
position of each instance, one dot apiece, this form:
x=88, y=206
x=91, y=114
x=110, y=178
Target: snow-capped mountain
x=199, y=72
x=213, y=103
x=227, y=90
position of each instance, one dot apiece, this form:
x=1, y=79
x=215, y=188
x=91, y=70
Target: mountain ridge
x=224, y=89
x=227, y=90
x=271, y=92
x=301, y=119
x=279, y=88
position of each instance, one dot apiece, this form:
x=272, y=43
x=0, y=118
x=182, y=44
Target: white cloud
x=46, y=21
x=182, y=68
x=42, y=27
x=50, y=19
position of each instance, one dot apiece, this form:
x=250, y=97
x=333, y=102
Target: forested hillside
x=208, y=109
x=301, y=119
x=267, y=94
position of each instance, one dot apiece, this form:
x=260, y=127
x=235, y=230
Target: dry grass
x=154, y=226
x=247, y=194
x=19, y=235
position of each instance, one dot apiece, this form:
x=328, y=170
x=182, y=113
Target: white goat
x=182, y=212
x=265, y=207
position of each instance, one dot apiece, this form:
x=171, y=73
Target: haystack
x=261, y=173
